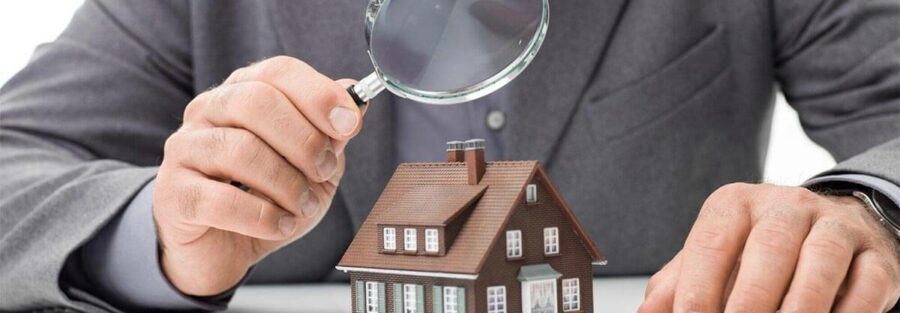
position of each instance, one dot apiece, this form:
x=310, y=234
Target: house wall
x=572, y=261
x=427, y=282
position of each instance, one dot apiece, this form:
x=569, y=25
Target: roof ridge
x=437, y=164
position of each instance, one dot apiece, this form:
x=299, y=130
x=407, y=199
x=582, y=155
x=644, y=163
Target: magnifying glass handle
x=366, y=89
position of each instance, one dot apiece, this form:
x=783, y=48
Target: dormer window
x=531, y=193
x=551, y=240
x=409, y=239
x=513, y=244
x=431, y=240
x=390, y=238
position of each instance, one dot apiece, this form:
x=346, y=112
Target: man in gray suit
x=120, y=141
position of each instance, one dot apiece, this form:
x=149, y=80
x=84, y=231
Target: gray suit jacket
x=637, y=108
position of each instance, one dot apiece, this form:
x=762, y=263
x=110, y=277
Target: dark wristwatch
x=885, y=211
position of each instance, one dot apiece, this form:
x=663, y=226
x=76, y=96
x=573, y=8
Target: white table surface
x=611, y=295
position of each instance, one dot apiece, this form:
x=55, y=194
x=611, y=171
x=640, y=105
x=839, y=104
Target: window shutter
x=398, y=298
x=360, y=296
x=420, y=299
x=461, y=299
x=437, y=299
x=381, y=298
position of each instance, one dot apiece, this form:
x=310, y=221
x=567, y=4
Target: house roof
x=432, y=205
x=502, y=185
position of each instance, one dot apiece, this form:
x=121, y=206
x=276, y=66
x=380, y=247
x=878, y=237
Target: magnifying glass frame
x=375, y=83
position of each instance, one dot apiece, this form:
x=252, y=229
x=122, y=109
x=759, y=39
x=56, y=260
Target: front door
x=539, y=296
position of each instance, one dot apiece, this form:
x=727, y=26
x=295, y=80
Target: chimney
x=475, y=159
x=455, y=151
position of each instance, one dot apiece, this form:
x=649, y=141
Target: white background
x=24, y=24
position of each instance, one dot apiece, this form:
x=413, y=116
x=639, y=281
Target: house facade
x=471, y=236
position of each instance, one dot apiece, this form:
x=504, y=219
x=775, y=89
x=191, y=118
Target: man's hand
x=760, y=248
x=277, y=127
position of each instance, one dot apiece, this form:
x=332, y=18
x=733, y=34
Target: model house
x=471, y=236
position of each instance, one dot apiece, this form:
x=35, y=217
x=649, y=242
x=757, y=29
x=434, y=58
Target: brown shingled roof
x=502, y=184
x=431, y=205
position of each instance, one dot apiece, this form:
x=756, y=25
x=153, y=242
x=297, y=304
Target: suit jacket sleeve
x=837, y=65
x=81, y=130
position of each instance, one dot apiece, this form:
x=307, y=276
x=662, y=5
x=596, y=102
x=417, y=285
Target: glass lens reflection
x=450, y=45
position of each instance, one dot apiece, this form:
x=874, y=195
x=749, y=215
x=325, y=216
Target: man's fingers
x=824, y=259
x=711, y=250
x=322, y=101
x=768, y=260
x=868, y=286
x=223, y=206
x=238, y=155
x=265, y=111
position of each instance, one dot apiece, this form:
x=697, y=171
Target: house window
x=409, y=239
x=431, y=240
x=371, y=297
x=513, y=243
x=390, y=238
x=450, y=300
x=551, y=240
x=571, y=295
x=409, y=298
x=531, y=193
x=496, y=299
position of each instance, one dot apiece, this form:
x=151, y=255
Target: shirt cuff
x=884, y=187
x=122, y=261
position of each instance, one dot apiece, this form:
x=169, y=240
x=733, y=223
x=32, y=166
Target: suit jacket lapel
x=330, y=37
x=546, y=94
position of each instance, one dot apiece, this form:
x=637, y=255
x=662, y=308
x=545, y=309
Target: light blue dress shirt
x=123, y=259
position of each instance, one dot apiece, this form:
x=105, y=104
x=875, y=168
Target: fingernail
x=286, y=224
x=326, y=164
x=308, y=204
x=343, y=120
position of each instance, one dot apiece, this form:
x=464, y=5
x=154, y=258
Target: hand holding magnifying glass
x=449, y=51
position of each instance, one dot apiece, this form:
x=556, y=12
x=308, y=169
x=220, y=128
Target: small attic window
x=531, y=193
x=390, y=238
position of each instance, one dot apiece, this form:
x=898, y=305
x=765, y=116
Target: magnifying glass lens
x=450, y=45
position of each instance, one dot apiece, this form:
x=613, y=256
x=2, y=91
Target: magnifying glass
x=449, y=51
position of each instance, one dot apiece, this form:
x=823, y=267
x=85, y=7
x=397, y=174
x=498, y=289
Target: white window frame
x=496, y=299
x=450, y=300
x=571, y=295
x=409, y=239
x=531, y=193
x=431, y=240
x=551, y=240
x=390, y=238
x=371, y=297
x=409, y=298
x=513, y=244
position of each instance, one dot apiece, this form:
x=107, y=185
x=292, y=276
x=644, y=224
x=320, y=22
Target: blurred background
x=25, y=24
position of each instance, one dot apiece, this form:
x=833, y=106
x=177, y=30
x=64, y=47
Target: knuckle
x=710, y=243
x=828, y=247
x=751, y=294
x=260, y=97
x=279, y=65
x=801, y=195
x=173, y=144
x=189, y=199
x=196, y=106
x=733, y=189
x=773, y=237
x=246, y=148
